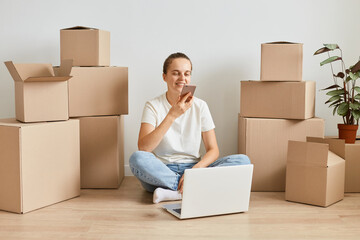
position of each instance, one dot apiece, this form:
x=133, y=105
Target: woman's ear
x=164, y=75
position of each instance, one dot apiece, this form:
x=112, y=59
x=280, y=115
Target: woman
x=172, y=127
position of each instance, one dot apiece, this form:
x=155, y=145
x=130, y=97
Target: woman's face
x=178, y=74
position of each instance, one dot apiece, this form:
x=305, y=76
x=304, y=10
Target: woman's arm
x=211, y=147
x=150, y=137
x=212, y=153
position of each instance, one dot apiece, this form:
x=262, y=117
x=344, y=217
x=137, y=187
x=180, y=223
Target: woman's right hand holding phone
x=181, y=106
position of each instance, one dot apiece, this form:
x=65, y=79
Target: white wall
x=222, y=37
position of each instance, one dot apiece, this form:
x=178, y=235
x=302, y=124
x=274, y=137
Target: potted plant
x=344, y=94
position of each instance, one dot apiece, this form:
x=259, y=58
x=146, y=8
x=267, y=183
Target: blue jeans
x=153, y=173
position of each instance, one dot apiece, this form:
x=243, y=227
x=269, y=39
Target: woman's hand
x=181, y=106
x=181, y=184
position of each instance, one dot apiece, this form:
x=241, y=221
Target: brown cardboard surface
x=281, y=61
x=40, y=95
x=351, y=154
x=265, y=142
x=287, y=100
x=102, y=151
x=98, y=91
x=316, y=184
x=352, y=167
x=40, y=164
x=87, y=46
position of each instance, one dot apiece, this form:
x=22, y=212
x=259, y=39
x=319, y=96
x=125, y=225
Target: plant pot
x=348, y=132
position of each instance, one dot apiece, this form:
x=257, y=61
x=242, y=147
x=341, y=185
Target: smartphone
x=188, y=88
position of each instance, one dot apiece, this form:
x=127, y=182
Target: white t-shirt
x=181, y=143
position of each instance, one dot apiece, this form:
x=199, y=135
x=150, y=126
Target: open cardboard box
x=314, y=173
x=281, y=61
x=86, y=46
x=40, y=94
x=39, y=164
x=351, y=154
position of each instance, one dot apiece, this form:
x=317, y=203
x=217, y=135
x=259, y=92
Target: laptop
x=214, y=191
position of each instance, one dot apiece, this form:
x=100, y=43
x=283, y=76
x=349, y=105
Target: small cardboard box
x=281, y=61
x=265, y=141
x=40, y=95
x=287, y=100
x=39, y=164
x=86, y=46
x=102, y=151
x=351, y=154
x=314, y=174
x=98, y=91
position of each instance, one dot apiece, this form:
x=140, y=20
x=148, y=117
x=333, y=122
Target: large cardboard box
x=314, y=174
x=288, y=100
x=98, y=91
x=351, y=154
x=39, y=164
x=102, y=151
x=40, y=95
x=86, y=46
x=265, y=142
x=281, y=61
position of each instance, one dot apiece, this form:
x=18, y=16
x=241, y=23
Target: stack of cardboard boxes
x=42, y=151
x=277, y=109
x=98, y=97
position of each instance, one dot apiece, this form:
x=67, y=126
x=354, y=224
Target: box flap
x=308, y=153
x=38, y=72
x=65, y=68
x=337, y=146
x=24, y=71
x=79, y=28
x=12, y=70
x=334, y=159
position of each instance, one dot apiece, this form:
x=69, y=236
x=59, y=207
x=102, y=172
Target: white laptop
x=214, y=191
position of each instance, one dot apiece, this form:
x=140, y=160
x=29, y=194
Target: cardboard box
x=102, y=151
x=281, y=61
x=86, y=46
x=288, y=100
x=98, y=91
x=351, y=154
x=314, y=174
x=39, y=164
x=40, y=95
x=265, y=142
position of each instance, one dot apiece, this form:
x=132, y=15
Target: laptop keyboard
x=178, y=210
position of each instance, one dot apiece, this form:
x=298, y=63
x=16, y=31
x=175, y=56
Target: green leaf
x=330, y=59
x=357, y=97
x=331, y=87
x=354, y=105
x=357, y=89
x=335, y=92
x=333, y=98
x=322, y=50
x=348, y=79
x=353, y=76
x=343, y=109
x=335, y=103
x=356, y=114
x=331, y=46
x=334, y=111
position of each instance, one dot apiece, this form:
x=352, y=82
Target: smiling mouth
x=180, y=84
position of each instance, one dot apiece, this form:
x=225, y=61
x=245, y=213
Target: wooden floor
x=128, y=213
